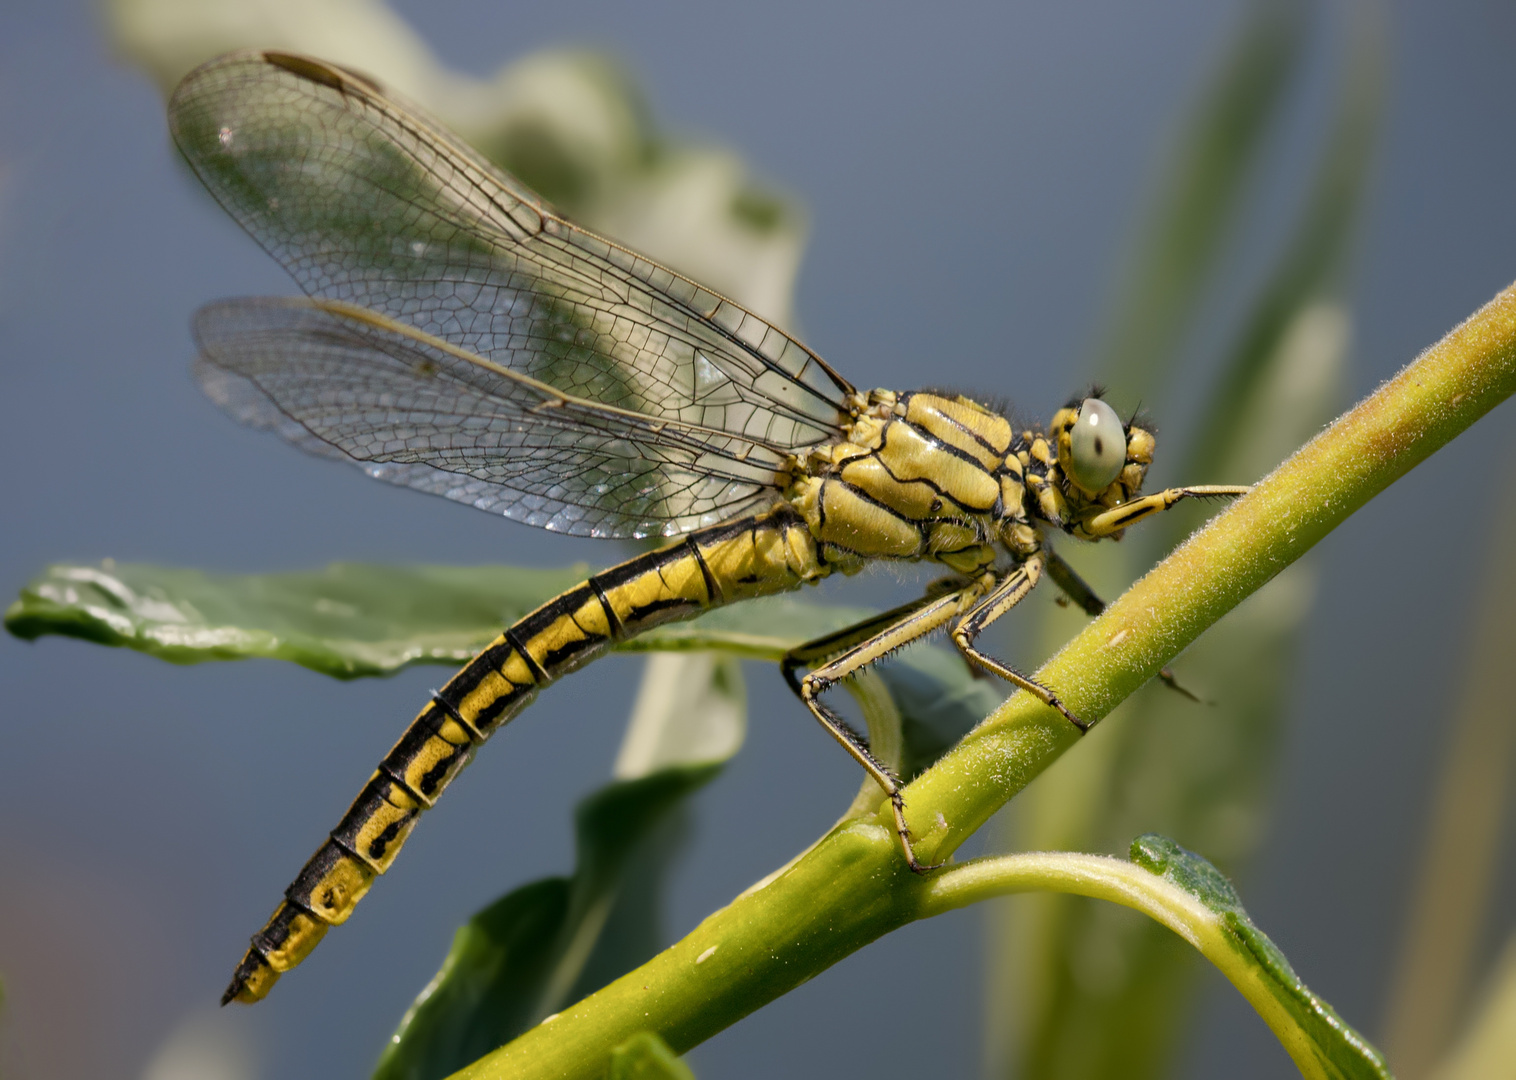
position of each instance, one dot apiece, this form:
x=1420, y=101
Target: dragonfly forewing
x=364, y=200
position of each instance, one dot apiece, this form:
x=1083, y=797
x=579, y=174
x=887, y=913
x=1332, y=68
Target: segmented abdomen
x=752, y=557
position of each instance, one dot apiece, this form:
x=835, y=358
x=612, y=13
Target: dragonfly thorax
x=926, y=476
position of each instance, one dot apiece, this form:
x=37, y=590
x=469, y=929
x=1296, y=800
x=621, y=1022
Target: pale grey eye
x=1097, y=445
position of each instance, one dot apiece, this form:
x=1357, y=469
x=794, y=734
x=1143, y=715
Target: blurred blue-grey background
x=971, y=172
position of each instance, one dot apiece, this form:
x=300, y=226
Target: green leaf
x=528, y=954
x=352, y=620
x=348, y=620
x=647, y=1057
x=488, y=987
x=1320, y=1041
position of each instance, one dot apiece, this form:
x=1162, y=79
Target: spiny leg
x=1114, y=520
x=867, y=643
x=839, y=641
x=1079, y=591
x=1010, y=592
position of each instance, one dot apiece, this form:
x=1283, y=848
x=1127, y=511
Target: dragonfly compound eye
x=1097, y=446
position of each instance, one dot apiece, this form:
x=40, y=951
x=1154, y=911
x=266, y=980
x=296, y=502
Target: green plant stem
x=853, y=887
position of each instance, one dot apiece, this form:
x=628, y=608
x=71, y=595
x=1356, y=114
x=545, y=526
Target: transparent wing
x=345, y=382
x=364, y=200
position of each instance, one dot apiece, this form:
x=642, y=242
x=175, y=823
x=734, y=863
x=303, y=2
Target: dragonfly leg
x=1010, y=592
x=1079, y=591
x=1072, y=585
x=855, y=648
x=839, y=641
x=1114, y=520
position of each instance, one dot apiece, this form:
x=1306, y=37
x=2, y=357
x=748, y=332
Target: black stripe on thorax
x=920, y=524
x=995, y=512
x=947, y=448
x=927, y=480
x=905, y=400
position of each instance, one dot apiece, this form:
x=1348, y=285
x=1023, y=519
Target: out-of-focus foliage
x=1487, y=1047
x=1077, y=988
x=1449, y=910
x=1205, y=178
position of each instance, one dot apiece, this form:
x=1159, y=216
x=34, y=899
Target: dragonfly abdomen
x=750, y=557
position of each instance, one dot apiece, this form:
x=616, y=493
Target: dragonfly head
x=1102, y=459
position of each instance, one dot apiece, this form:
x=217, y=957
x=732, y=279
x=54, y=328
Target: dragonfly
x=460, y=337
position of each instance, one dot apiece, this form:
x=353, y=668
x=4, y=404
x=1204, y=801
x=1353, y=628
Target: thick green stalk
x=852, y=887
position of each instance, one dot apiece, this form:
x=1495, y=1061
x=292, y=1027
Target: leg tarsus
x=1072, y=588
x=897, y=804
x=1070, y=717
x=883, y=775
x=1006, y=595
x=856, y=648
x=964, y=641
x=1168, y=678
x=1076, y=591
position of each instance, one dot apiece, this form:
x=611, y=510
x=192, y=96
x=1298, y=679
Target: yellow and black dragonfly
x=461, y=338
